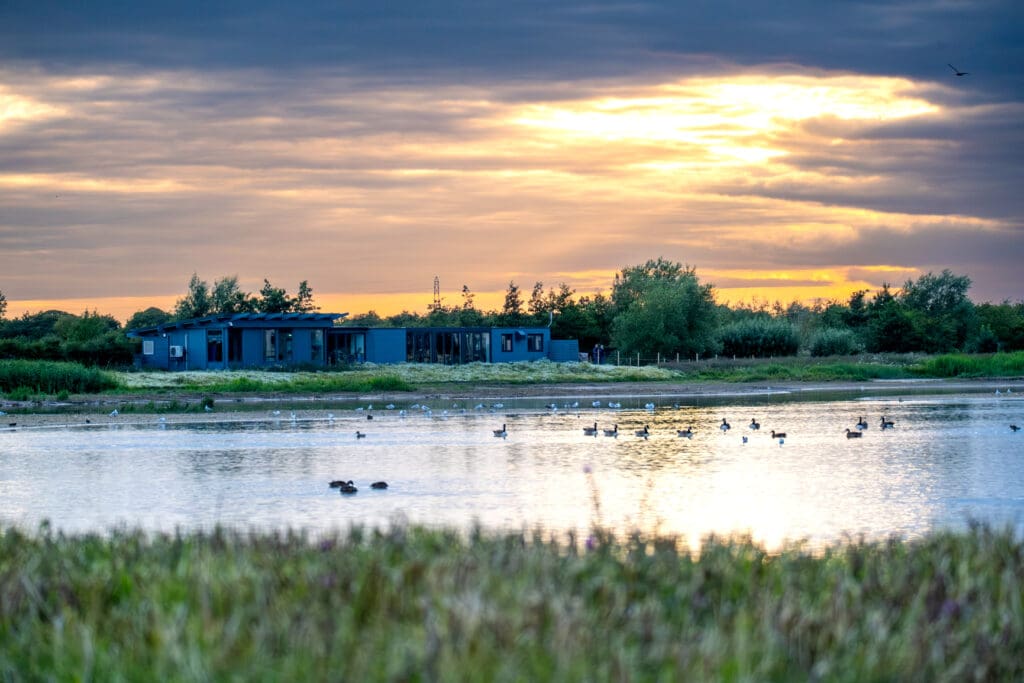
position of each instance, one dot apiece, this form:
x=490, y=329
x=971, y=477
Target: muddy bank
x=163, y=407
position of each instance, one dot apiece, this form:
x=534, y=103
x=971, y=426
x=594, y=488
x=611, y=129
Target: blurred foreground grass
x=411, y=604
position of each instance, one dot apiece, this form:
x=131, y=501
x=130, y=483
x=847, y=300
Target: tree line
x=656, y=309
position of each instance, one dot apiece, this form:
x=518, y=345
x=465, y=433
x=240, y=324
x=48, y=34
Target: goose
x=778, y=435
x=360, y=435
x=887, y=424
x=862, y=423
x=850, y=434
x=501, y=432
x=725, y=426
x=379, y=485
x=338, y=483
x=643, y=433
x=754, y=424
x=590, y=431
x=957, y=71
x=1014, y=428
x=612, y=432
x=347, y=487
x=685, y=433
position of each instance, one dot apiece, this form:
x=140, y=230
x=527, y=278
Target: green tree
x=228, y=298
x=666, y=314
x=3, y=305
x=944, y=316
x=891, y=326
x=273, y=299
x=468, y=315
x=1006, y=323
x=512, y=312
x=303, y=302
x=197, y=302
x=661, y=307
x=150, y=317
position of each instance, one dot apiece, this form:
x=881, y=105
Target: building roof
x=247, y=320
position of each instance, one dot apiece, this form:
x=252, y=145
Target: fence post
x=618, y=361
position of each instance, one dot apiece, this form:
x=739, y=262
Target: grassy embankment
x=22, y=380
x=415, y=604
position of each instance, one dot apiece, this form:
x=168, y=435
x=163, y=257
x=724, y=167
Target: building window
x=316, y=341
x=270, y=345
x=214, y=346
x=147, y=347
x=506, y=343
x=535, y=342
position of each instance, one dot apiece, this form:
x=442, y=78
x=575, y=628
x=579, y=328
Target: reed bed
x=52, y=377
x=415, y=604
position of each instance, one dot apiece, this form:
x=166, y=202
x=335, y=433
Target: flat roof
x=227, y=319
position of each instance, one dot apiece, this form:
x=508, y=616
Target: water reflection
x=949, y=458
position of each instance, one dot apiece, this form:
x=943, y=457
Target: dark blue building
x=248, y=340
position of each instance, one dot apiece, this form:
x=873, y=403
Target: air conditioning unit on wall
x=177, y=351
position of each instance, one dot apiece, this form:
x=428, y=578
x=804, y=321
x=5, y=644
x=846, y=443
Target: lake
x=949, y=459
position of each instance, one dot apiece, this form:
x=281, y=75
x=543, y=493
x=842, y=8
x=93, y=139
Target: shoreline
x=96, y=410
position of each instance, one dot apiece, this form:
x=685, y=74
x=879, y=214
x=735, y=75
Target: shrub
x=51, y=377
x=835, y=342
x=759, y=338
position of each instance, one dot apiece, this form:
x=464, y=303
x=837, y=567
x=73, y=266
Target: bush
x=759, y=338
x=50, y=377
x=835, y=342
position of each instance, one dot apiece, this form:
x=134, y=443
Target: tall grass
x=52, y=377
x=416, y=604
x=964, y=365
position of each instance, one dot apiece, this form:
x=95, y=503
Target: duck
x=850, y=434
x=612, y=432
x=725, y=426
x=379, y=485
x=1014, y=428
x=643, y=433
x=862, y=423
x=501, y=433
x=348, y=487
x=778, y=435
x=590, y=431
x=754, y=424
x=360, y=435
x=685, y=433
x=338, y=483
x=887, y=424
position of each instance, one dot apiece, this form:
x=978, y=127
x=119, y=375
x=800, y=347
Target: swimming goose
x=644, y=433
x=862, y=423
x=850, y=434
x=612, y=432
x=725, y=426
x=590, y=431
x=379, y=485
x=360, y=435
x=501, y=432
x=754, y=424
x=778, y=435
x=887, y=424
x=347, y=487
x=685, y=433
x=1015, y=428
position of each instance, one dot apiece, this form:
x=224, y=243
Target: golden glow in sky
x=771, y=184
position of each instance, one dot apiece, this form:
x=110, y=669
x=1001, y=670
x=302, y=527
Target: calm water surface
x=948, y=460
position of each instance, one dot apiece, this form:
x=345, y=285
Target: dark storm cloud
x=550, y=40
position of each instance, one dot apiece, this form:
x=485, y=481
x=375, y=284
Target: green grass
x=980, y=365
x=410, y=604
x=798, y=369
x=24, y=377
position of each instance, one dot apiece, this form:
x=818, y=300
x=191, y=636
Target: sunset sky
x=786, y=150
